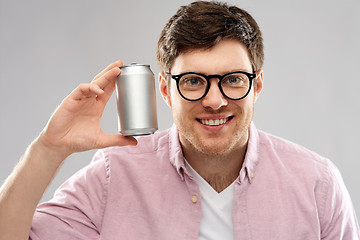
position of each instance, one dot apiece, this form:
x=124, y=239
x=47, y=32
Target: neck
x=218, y=170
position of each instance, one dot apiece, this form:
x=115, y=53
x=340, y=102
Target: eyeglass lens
x=194, y=86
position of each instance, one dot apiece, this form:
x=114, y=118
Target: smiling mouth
x=214, y=122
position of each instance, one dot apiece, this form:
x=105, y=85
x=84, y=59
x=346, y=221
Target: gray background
x=311, y=70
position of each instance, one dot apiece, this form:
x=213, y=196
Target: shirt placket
x=240, y=214
x=194, y=202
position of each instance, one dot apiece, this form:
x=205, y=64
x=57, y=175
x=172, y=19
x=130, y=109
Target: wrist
x=47, y=151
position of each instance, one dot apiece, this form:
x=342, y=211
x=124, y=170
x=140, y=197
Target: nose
x=214, y=98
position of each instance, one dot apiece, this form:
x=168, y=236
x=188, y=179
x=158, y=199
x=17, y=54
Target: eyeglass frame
x=177, y=78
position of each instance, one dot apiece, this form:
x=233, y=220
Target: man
x=213, y=175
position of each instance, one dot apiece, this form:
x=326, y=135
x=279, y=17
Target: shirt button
x=194, y=199
x=251, y=174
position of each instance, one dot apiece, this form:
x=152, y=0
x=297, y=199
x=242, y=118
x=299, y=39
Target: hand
x=75, y=125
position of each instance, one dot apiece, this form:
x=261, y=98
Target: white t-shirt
x=216, y=220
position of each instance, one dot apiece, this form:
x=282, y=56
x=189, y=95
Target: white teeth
x=215, y=122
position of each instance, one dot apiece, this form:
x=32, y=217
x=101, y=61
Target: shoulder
x=312, y=178
x=290, y=151
x=151, y=149
x=296, y=161
x=300, y=165
x=132, y=168
x=146, y=145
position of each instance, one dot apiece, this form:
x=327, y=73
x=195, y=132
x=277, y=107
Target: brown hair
x=203, y=24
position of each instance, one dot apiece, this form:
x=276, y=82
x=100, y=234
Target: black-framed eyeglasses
x=193, y=86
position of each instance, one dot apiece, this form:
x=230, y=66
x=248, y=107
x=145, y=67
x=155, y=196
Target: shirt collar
x=250, y=162
x=251, y=157
x=175, y=150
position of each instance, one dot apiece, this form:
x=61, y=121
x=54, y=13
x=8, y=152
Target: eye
x=235, y=80
x=192, y=81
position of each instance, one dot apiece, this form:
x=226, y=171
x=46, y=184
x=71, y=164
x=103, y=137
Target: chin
x=214, y=148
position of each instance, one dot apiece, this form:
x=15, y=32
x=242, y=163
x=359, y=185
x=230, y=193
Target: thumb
x=111, y=140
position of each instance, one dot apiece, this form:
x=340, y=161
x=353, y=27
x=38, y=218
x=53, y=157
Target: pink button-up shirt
x=145, y=192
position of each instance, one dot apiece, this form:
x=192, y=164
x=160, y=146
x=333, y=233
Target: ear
x=259, y=83
x=164, y=90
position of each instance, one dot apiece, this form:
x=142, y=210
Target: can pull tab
x=133, y=64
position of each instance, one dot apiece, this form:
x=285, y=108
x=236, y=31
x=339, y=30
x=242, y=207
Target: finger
x=113, y=65
x=85, y=90
x=107, y=84
x=97, y=87
x=110, y=140
x=107, y=78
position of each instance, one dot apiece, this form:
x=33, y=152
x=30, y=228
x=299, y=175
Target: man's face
x=213, y=125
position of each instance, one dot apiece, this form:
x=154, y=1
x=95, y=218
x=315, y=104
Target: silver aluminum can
x=136, y=100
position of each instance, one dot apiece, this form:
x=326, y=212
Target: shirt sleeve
x=77, y=208
x=337, y=215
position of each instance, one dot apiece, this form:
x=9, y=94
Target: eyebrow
x=222, y=73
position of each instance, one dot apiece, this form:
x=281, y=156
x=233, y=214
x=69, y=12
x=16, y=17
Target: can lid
x=134, y=64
